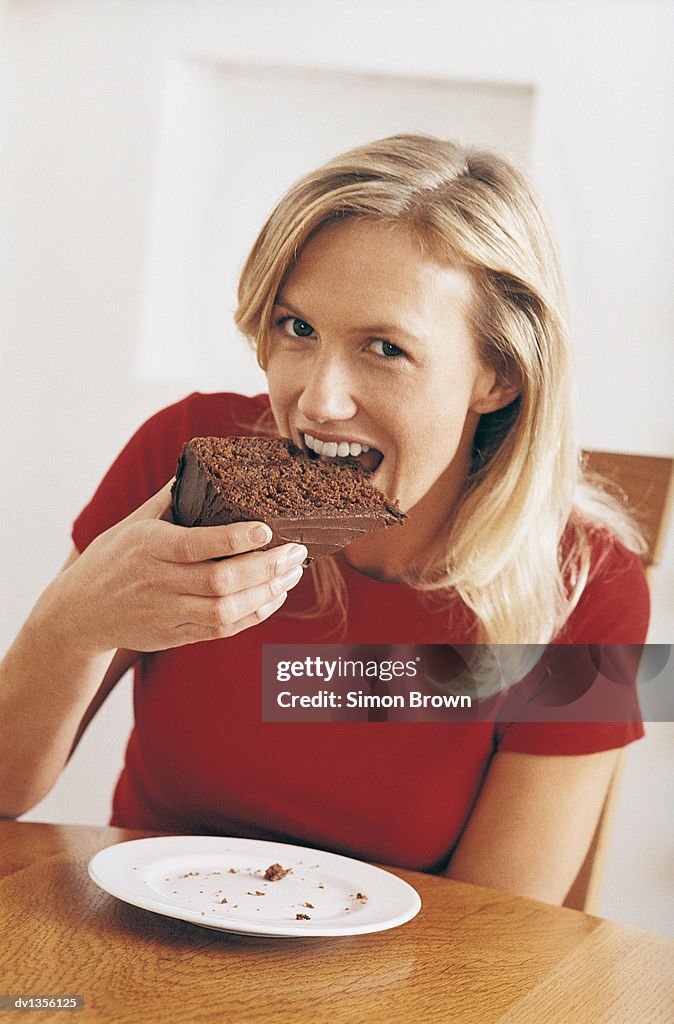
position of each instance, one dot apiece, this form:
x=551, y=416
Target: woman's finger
x=191, y=632
x=155, y=507
x=233, y=575
x=184, y=544
x=220, y=614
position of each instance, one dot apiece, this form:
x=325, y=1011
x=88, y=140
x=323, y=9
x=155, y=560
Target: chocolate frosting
x=197, y=501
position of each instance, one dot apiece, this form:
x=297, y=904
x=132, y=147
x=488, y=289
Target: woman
x=405, y=299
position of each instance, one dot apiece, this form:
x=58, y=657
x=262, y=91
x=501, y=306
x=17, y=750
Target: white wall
x=226, y=154
x=81, y=99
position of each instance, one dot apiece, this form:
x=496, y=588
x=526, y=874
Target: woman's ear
x=491, y=393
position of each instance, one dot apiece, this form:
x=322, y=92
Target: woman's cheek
x=277, y=381
x=279, y=404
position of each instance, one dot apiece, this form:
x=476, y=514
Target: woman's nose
x=328, y=393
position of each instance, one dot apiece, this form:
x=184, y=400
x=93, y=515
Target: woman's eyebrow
x=383, y=328
x=280, y=301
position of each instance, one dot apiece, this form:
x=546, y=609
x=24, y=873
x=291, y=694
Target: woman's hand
x=148, y=585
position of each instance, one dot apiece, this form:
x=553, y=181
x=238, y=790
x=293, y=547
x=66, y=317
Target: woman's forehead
x=379, y=267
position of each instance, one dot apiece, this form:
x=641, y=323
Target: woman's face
x=370, y=346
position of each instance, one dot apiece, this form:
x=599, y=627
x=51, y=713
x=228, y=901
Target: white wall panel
x=232, y=139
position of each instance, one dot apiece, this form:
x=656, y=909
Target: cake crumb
x=302, y=917
x=275, y=873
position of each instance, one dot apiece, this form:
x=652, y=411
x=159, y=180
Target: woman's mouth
x=350, y=452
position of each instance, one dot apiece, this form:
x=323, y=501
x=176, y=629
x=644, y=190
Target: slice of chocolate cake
x=324, y=505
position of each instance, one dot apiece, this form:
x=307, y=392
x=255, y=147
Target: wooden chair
x=645, y=483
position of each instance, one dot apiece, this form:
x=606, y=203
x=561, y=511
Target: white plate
x=189, y=877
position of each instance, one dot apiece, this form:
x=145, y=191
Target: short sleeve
x=568, y=737
x=613, y=609
x=148, y=461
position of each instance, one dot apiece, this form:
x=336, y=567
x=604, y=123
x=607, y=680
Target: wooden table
x=471, y=955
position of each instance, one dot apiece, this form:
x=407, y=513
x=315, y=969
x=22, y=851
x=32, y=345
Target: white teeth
x=334, y=449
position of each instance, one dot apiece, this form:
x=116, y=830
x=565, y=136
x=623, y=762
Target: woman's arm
x=143, y=585
x=121, y=663
x=46, y=684
x=533, y=823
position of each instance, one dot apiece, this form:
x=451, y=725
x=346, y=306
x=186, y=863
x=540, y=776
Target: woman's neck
x=395, y=552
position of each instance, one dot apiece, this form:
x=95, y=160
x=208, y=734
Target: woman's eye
x=386, y=348
x=296, y=328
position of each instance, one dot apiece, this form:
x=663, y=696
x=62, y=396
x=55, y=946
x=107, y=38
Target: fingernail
x=295, y=555
x=289, y=579
x=259, y=534
x=271, y=606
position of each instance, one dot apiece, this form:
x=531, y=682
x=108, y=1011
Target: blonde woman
x=404, y=299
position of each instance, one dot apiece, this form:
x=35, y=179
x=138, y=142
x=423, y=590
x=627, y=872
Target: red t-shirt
x=201, y=760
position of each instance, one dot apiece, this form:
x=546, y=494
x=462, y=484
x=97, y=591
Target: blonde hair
x=519, y=546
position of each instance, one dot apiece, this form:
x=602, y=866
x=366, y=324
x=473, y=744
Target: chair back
x=645, y=485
